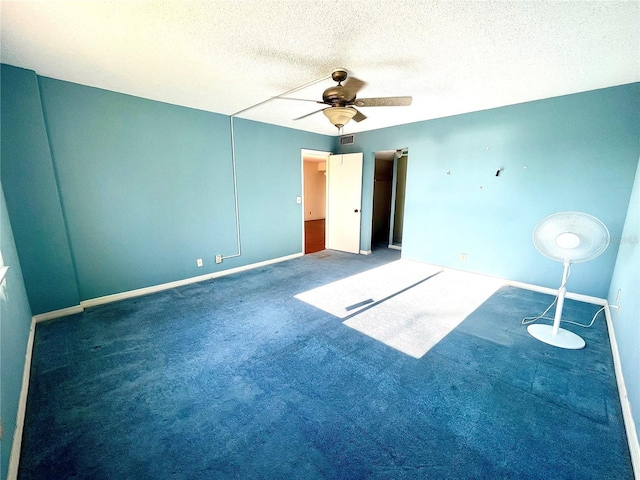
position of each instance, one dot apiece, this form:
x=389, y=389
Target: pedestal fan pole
x=553, y=334
x=562, y=291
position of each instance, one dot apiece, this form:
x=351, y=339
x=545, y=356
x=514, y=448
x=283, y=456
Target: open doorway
x=314, y=169
x=390, y=177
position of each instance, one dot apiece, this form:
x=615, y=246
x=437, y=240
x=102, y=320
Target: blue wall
x=15, y=321
x=146, y=188
x=626, y=278
x=576, y=152
x=32, y=195
x=269, y=180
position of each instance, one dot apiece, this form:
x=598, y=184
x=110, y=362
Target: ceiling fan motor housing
x=338, y=96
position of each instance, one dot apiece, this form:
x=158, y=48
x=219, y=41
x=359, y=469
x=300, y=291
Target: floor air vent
x=347, y=140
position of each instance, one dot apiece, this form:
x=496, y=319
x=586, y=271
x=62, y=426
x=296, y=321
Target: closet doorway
x=389, y=187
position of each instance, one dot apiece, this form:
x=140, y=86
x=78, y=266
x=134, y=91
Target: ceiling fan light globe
x=339, y=116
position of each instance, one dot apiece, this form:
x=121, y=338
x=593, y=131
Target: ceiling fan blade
x=309, y=114
x=383, y=102
x=352, y=85
x=359, y=116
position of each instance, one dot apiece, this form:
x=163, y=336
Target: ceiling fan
x=342, y=100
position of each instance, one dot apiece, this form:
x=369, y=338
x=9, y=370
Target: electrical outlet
x=218, y=258
x=463, y=257
x=199, y=262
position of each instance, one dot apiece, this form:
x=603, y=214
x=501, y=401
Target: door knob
x=356, y=210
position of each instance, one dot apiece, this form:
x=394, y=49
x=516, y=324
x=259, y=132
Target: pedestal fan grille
x=556, y=235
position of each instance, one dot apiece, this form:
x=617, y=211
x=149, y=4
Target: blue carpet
x=235, y=379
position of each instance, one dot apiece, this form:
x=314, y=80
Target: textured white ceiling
x=224, y=56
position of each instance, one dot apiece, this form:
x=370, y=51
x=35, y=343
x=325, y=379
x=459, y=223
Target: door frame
x=401, y=152
x=309, y=153
x=385, y=154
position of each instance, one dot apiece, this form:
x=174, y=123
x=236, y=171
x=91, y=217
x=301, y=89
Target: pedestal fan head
x=572, y=237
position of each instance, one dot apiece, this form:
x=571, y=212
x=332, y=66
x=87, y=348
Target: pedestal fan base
x=563, y=339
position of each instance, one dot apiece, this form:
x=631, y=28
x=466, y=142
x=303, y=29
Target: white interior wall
x=314, y=190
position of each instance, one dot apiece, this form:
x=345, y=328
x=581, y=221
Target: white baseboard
x=92, y=302
x=42, y=317
x=14, y=458
x=395, y=247
x=630, y=426
x=365, y=252
x=537, y=288
x=550, y=291
x=179, y=283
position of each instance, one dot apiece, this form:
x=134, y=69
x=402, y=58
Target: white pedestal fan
x=567, y=237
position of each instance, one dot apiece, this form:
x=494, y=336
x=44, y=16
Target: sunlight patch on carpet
x=418, y=318
x=345, y=297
